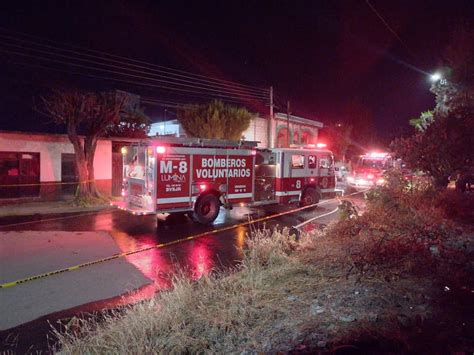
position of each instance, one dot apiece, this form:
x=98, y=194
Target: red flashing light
x=370, y=176
x=311, y=145
x=160, y=149
x=202, y=187
x=254, y=152
x=311, y=180
x=321, y=145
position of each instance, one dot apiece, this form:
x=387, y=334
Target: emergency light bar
x=377, y=155
x=312, y=145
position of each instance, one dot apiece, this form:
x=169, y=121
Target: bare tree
x=89, y=116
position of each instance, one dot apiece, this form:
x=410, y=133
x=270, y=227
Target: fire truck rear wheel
x=206, y=209
x=310, y=197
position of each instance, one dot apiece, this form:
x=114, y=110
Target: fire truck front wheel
x=309, y=197
x=206, y=209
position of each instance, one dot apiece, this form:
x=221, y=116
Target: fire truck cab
x=198, y=176
x=369, y=169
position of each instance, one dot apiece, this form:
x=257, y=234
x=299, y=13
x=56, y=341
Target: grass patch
x=91, y=201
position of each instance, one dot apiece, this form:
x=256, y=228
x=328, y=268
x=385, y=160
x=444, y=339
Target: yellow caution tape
x=164, y=245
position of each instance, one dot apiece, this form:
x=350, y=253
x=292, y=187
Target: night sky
x=320, y=55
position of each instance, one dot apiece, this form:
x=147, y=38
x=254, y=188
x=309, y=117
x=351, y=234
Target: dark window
x=8, y=164
x=17, y=169
x=29, y=166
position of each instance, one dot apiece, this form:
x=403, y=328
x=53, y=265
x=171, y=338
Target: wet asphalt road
x=131, y=232
x=198, y=257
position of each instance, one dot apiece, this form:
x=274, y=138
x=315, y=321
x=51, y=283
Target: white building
x=38, y=165
x=269, y=134
x=167, y=128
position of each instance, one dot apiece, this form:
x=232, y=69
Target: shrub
x=456, y=205
x=408, y=228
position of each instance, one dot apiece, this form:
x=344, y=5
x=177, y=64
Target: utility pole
x=271, y=101
x=270, y=121
x=288, y=123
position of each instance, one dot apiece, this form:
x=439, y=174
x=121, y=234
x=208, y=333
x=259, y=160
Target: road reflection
x=200, y=260
x=193, y=258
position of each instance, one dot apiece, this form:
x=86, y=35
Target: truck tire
x=206, y=209
x=309, y=197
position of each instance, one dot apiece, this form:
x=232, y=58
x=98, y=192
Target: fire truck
x=198, y=176
x=369, y=169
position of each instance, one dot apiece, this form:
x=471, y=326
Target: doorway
x=68, y=173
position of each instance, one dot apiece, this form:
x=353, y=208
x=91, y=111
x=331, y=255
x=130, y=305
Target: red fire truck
x=198, y=176
x=368, y=170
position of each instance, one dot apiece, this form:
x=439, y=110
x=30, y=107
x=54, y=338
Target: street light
x=435, y=77
x=438, y=78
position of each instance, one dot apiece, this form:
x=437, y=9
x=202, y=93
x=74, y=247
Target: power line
x=180, y=86
x=389, y=28
x=188, y=92
x=162, y=68
x=279, y=102
x=146, y=102
x=161, y=100
x=166, y=100
x=211, y=92
x=180, y=103
x=178, y=80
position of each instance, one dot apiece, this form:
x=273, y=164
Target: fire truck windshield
x=374, y=163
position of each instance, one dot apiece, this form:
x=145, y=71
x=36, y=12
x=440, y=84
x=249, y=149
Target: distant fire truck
x=198, y=176
x=369, y=169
